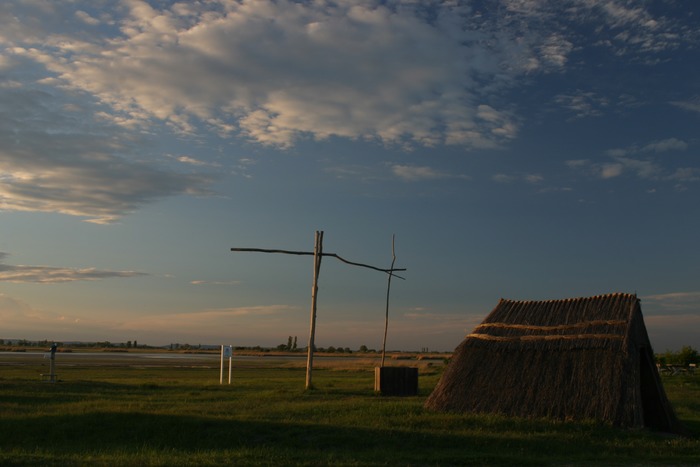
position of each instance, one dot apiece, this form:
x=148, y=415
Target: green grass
x=125, y=415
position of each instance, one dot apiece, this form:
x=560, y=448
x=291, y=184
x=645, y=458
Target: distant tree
x=281, y=347
x=128, y=344
x=289, y=343
x=294, y=346
x=330, y=349
x=688, y=355
x=363, y=348
x=685, y=356
x=136, y=344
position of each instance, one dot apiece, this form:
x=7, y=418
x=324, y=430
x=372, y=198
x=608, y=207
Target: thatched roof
x=575, y=359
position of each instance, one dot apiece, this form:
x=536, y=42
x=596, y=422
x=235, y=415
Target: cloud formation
x=674, y=302
x=54, y=160
x=642, y=162
x=52, y=275
x=277, y=71
x=414, y=173
x=84, y=83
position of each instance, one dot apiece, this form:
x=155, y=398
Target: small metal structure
x=51, y=377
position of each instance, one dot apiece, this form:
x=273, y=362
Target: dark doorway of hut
x=655, y=410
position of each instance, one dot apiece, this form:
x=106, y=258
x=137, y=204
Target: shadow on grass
x=104, y=433
x=392, y=433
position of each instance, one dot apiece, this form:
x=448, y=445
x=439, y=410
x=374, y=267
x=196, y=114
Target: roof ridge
x=573, y=299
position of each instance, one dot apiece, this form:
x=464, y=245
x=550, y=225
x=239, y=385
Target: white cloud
x=194, y=161
x=640, y=160
x=399, y=72
x=531, y=178
x=86, y=18
x=278, y=71
x=52, y=159
x=556, y=50
x=665, y=145
x=577, y=163
x=534, y=178
x=644, y=169
x=416, y=173
x=670, y=144
x=583, y=103
x=685, y=174
x=52, y=275
x=674, y=302
x=632, y=30
x=503, y=178
x=611, y=170
x=692, y=104
x=315, y=69
x=203, y=282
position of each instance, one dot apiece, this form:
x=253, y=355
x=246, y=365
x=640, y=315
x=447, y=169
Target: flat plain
x=170, y=409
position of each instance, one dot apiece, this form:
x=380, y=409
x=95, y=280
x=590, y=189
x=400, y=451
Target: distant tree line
x=48, y=343
x=291, y=346
x=686, y=356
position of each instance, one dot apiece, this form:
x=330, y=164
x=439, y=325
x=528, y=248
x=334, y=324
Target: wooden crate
x=396, y=380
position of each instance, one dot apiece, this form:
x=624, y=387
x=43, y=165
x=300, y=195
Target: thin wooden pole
x=388, y=289
x=318, y=254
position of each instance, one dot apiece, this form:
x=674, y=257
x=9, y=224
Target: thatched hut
x=575, y=359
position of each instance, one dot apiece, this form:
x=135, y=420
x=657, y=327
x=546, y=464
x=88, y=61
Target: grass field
x=175, y=412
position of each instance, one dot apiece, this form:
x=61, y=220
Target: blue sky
x=524, y=149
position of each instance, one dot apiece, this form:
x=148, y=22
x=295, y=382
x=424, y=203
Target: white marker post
x=226, y=352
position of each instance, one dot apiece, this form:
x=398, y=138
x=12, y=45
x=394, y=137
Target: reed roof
x=581, y=358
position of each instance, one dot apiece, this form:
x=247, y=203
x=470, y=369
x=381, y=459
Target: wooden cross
x=318, y=254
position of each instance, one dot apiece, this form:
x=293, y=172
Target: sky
x=518, y=149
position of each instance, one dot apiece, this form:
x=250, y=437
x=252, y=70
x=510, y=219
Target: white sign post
x=226, y=352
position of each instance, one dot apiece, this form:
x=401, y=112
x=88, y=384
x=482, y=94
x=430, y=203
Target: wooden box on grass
x=396, y=381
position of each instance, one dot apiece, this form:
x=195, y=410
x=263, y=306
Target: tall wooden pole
x=318, y=254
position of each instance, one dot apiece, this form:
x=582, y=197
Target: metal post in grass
x=52, y=364
x=226, y=352
x=318, y=254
